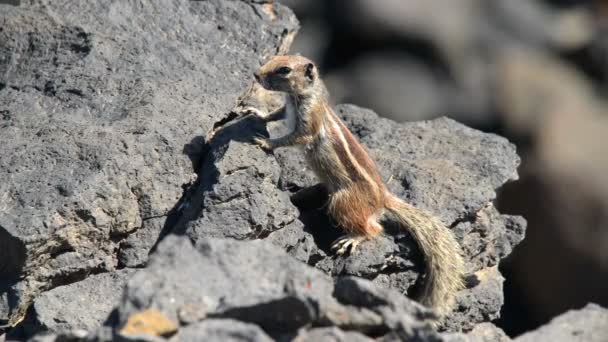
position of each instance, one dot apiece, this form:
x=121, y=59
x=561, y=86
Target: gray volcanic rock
x=220, y=330
x=332, y=334
x=247, y=281
x=256, y=282
x=99, y=100
x=481, y=301
x=589, y=324
x=237, y=196
x=484, y=332
x=488, y=332
x=135, y=247
x=439, y=165
x=83, y=305
x=394, y=308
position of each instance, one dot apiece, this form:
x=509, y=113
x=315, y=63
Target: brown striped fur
x=358, y=196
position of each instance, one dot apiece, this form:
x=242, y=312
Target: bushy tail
x=442, y=254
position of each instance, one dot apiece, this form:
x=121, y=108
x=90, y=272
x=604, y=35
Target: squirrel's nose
x=257, y=76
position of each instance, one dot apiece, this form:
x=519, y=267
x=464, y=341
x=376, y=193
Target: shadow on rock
x=203, y=155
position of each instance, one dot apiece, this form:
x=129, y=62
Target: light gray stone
x=98, y=102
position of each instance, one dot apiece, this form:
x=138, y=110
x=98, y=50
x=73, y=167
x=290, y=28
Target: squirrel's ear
x=310, y=72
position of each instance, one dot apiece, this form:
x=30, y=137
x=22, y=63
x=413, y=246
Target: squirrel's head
x=291, y=74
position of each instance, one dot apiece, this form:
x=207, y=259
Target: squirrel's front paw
x=254, y=111
x=263, y=143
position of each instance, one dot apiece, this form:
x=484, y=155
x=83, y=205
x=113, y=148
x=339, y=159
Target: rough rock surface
x=589, y=324
x=484, y=332
x=256, y=282
x=102, y=106
x=223, y=330
x=83, y=305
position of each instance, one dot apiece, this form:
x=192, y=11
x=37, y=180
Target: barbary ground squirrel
x=358, y=197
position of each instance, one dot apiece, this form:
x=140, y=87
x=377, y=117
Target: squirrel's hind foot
x=342, y=244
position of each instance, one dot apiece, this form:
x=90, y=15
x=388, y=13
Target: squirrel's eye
x=283, y=70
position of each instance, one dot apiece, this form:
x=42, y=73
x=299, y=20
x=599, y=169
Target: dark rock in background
x=395, y=56
x=563, y=191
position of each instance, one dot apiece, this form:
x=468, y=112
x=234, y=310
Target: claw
x=253, y=111
x=341, y=245
x=262, y=142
